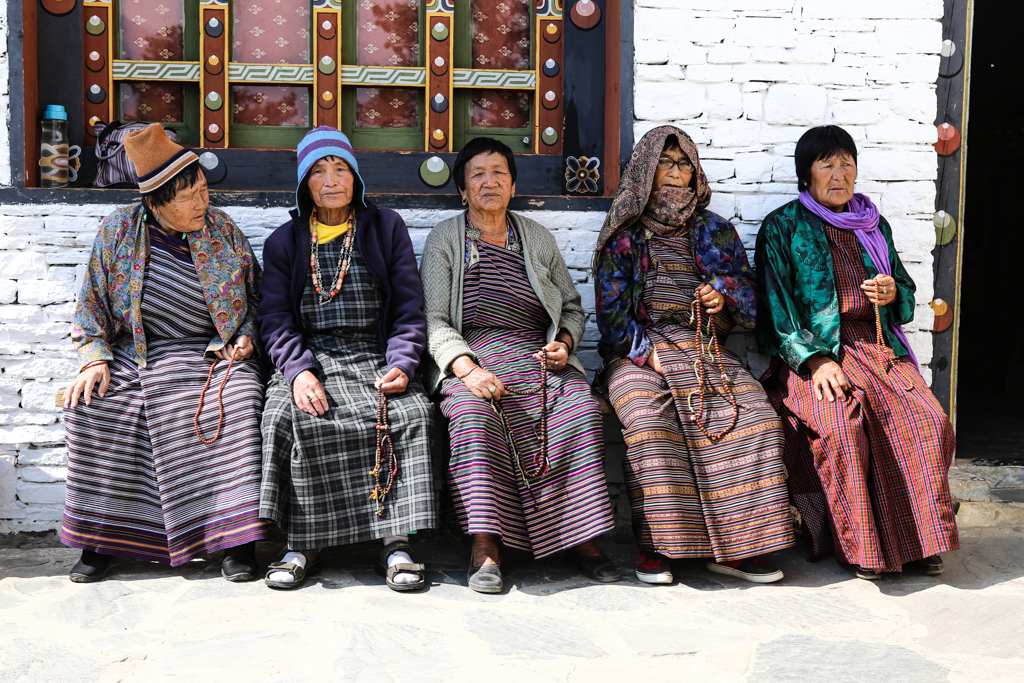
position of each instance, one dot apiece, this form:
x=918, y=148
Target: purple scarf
x=861, y=216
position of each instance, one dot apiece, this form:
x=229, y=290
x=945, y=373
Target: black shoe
x=485, y=579
x=91, y=567
x=239, y=563
x=929, y=566
x=596, y=567
x=749, y=568
x=862, y=573
x=653, y=568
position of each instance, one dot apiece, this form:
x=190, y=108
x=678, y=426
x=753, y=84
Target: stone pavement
x=153, y=623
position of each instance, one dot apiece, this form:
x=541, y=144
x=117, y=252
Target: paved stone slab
x=161, y=625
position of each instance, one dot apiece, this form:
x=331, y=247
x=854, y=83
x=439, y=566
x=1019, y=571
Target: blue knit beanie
x=324, y=141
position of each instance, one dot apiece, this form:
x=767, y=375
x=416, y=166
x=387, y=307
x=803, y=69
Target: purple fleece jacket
x=383, y=241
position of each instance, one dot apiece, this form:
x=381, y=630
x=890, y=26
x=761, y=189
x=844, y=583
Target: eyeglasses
x=684, y=165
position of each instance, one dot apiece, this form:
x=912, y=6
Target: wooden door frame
x=952, y=93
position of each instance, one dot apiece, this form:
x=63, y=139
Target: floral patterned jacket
x=109, y=311
x=620, y=276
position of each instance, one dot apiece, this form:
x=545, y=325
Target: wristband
x=95, y=362
x=470, y=372
x=568, y=349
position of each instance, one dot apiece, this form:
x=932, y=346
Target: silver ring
x=885, y=290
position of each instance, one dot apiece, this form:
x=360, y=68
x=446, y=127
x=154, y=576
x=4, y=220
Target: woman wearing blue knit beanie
x=346, y=426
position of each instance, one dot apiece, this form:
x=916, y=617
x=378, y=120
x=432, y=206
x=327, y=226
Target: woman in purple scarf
x=868, y=447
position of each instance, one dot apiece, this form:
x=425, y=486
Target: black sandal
x=299, y=573
x=389, y=573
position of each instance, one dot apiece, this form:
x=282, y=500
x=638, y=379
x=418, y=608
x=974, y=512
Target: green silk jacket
x=797, y=307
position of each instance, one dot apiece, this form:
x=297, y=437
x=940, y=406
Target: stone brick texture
x=744, y=77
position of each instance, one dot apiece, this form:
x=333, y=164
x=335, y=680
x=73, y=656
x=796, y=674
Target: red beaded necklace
x=344, y=258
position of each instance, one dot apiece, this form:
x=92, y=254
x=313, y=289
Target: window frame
x=605, y=132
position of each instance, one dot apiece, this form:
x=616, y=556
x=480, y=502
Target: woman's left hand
x=394, y=382
x=558, y=354
x=882, y=290
x=241, y=349
x=712, y=301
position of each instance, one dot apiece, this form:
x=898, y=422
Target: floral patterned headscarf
x=634, y=191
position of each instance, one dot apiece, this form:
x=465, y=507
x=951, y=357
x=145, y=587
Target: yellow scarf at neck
x=325, y=233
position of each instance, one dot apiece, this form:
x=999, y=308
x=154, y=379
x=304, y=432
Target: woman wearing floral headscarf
x=703, y=461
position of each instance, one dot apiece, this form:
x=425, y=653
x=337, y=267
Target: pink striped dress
x=504, y=323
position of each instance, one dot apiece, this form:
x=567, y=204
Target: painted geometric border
x=124, y=70
x=365, y=75
x=479, y=78
x=270, y=73
x=155, y=71
x=549, y=8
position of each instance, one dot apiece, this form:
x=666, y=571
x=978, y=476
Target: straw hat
x=156, y=158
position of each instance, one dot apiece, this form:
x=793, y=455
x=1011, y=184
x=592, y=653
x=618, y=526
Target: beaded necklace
x=344, y=258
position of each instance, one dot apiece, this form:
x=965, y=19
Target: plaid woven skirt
x=868, y=475
x=316, y=469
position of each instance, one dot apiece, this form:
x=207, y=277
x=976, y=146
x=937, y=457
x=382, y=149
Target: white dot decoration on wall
x=585, y=14
x=439, y=103
x=435, y=172
x=326, y=66
x=948, y=48
x=439, y=31
x=214, y=101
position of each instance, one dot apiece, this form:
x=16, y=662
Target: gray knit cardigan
x=443, y=270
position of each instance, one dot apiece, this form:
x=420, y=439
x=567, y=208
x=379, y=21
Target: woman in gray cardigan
x=526, y=471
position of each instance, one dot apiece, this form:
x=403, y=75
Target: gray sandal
x=299, y=573
x=389, y=573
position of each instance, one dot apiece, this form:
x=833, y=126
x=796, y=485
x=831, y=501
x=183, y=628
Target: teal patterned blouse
x=798, y=308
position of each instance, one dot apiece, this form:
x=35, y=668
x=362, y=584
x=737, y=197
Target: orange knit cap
x=156, y=158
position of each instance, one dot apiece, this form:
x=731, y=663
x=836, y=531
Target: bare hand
x=829, y=379
x=882, y=290
x=712, y=301
x=558, y=355
x=483, y=384
x=309, y=394
x=97, y=375
x=241, y=349
x=394, y=382
x=654, y=363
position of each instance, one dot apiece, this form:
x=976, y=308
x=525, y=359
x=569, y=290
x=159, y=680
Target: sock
x=400, y=557
x=298, y=557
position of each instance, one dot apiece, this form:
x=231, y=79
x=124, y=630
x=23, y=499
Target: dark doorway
x=990, y=377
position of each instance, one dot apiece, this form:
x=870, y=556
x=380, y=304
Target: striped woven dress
x=140, y=483
x=690, y=496
x=869, y=473
x=505, y=323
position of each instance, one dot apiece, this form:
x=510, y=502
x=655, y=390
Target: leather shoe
x=929, y=566
x=240, y=564
x=91, y=567
x=596, y=567
x=485, y=579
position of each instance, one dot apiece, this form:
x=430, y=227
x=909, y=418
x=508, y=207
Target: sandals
x=389, y=573
x=298, y=573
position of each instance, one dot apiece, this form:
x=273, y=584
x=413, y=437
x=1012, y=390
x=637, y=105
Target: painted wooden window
x=245, y=79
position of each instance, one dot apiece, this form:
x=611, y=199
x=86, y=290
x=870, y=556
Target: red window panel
x=501, y=40
x=388, y=35
x=152, y=32
x=271, y=32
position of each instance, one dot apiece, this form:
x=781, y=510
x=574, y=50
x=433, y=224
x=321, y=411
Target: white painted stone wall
x=744, y=77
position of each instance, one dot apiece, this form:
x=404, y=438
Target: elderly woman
x=171, y=289
x=868, y=446
x=346, y=429
x=503, y=318
x=703, y=463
